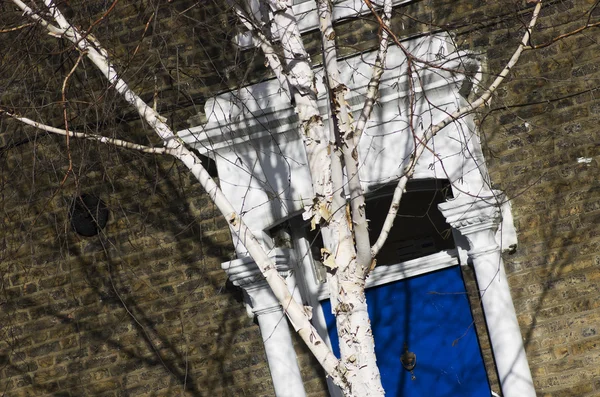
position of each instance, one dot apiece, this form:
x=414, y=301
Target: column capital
x=476, y=218
x=277, y=340
x=465, y=212
x=245, y=273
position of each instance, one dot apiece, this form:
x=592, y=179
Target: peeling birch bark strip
x=345, y=141
x=357, y=346
x=483, y=99
x=295, y=312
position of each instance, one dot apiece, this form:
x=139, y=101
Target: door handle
x=409, y=361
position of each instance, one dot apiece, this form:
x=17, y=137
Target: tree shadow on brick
x=164, y=262
x=552, y=179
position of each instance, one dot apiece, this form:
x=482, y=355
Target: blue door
x=429, y=313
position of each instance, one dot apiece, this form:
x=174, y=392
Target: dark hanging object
x=65, y=8
x=88, y=215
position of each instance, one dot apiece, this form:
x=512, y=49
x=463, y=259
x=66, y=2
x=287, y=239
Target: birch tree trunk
x=348, y=300
x=347, y=254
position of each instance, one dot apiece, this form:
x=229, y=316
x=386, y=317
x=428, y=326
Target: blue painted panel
x=431, y=314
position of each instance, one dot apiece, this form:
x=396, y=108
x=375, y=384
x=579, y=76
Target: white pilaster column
x=272, y=322
x=477, y=219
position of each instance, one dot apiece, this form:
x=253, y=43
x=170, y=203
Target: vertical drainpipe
x=477, y=219
x=272, y=321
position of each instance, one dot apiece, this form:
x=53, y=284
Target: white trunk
x=304, y=93
x=344, y=137
x=347, y=285
x=357, y=346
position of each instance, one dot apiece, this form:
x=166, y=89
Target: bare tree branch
x=433, y=130
x=27, y=11
x=87, y=44
x=65, y=116
x=23, y=26
x=344, y=131
x=88, y=136
x=378, y=68
x=265, y=45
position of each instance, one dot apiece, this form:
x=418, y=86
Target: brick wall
x=543, y=148
x=141, y=309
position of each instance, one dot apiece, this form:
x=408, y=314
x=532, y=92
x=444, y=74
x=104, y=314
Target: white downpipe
x=478, y=219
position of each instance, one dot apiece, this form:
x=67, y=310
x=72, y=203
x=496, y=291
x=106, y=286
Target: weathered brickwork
x=542, y=147
x=141, y=309
x=144, y=308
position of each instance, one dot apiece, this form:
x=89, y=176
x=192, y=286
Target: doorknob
x=409, y=361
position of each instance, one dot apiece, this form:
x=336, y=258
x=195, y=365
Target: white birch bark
x=304, y=93
x=344, y=134
x=357, y=346
x=329, y=205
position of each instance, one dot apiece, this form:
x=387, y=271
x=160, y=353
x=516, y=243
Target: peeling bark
x=348, y=301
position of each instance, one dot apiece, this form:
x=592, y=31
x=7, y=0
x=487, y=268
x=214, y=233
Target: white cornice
x=265, y=109
x=308, y=19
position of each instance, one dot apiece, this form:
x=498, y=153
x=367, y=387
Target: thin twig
x=433, y=130
x=65, y=116
x=563, y=36
x=88, y=136
x=25, y=25
x=378, y=69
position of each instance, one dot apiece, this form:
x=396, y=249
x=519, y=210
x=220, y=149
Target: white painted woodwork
x=272, y=322
x=263, y=168
x=477, y=219
x=262, y=164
